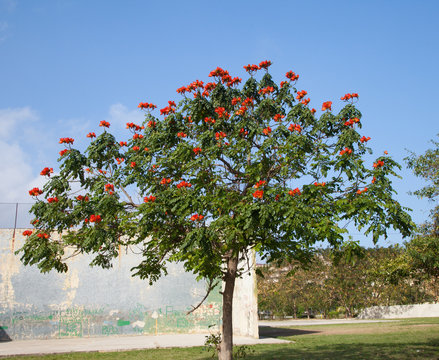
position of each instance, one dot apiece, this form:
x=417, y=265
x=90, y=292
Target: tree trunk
x=226, y=347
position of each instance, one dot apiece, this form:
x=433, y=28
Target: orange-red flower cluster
x=320, y=184
x=251, y=68
x=35, y=192
x=52, y=200
x=181, y=134
x=43, y=235
x=168, y=109
x=109, y=187
x=266, y=90
x=347, y=97
x=313, y=111
x=218, y=72
x=301, y=94
x=149, y=199
x=305, y=101
x=346, y=151
x=352, y=121
x=359, y=192
x=135, y=127
x=236, y=101
x=46, y=171
x=82, y=198
x=62, y=152
x=258, y=194
x=365, y=139
x=197, y=217
x=183, y=184
x=278, y=117
x=27, y=232
x=222, y=113
x=120, y=160
x=137, y=136
x=66, y=140
x=123, y=143
x=260, y=183
x=243, y=132
x=102, y=171
x=196, y=150
x=104, y=123
x=231, y=82
x=135, y=148
x=210, y=86
x=94, y=218
x=144, y=105
x=220, y=135
x=133, y=164
x=248, y=102
x=292, y=76
x=151, y=124
x=327, y=105
x=242, y=110
x=378, y=164
x=267, y=130
x=295, y=127
x=209, y=120
x=265, y=64
x=374, y=179
x=91, y=135
x=283, y=83
x=165, y=181
x=294, y=192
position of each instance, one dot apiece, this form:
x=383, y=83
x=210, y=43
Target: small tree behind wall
x=229, y=168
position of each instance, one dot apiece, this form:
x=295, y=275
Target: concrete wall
x=400, y=311
x=89, y=301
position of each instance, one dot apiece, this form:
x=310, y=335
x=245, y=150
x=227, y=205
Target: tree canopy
x=227, y=169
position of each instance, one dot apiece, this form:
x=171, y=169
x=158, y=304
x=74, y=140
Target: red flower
x=305, y=101
x=278, y=117
x=196, y=150
x=151, y=124
x=295, y=127
x=283, y=83
x=260, y=183
x=109, y=187
x=265, y=64
x=218, y=72
x=242, y=110
x=137, y=136
x=136, y=148
x=181, y=134
x=235, y=81
x=365, y=139
x=95, y=218
x=120, y=160
x=374, y=179
x=209, y=120
x=183, y=184
x=66, y=141
x=327, y=105
x=149, y=199
x=104, y=123
x=243, y=132
x=236, y=101
x=313, y=111
x=210, y=86
x=258, y=194
x=62, y=152
x=91, y=135
x=301, y=94
x=222, y=113
x=359, y=192
x=52, y=200
x=123, y=143
x=43, y=235
x=165, y=181
x=267, y=130
x=46, y=171
x=348, y=97
x=294, y=192
x=82, y=198
x=27, y=232
x=197, y=217
x=346, y=151
x=35, y=191
x=251, y=68
x=248, y=102
x=146, y=106
x=133, y=164
x=292, y=76
x=266, y=90
x=220, y=135
x=182, y=90
x=352, y=121
x=146, y=149
x=378, y=164
x=320, y=184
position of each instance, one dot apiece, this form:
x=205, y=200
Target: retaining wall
x=400, y=311
x=88, y=301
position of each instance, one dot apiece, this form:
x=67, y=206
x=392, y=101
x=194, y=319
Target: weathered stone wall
x=89, y=301
x=400, y=311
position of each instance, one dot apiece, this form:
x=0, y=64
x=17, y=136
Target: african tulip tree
x=226, y=170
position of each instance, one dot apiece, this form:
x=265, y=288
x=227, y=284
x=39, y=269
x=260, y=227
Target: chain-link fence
x=15, y=216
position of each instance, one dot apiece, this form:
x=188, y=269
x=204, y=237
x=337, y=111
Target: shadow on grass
x=415, y=350
x=269, y=331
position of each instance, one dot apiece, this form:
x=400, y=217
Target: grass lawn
x=406, y=339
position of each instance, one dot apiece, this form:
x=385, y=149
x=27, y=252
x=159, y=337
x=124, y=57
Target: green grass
x=406, y=340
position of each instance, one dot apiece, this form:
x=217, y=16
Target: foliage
x=225, y=170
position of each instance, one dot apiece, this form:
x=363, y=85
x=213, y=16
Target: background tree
x=227, y=170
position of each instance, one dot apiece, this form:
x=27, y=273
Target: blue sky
x=67, y=64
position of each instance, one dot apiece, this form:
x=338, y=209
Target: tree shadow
x=270, y=332
x=4, y=335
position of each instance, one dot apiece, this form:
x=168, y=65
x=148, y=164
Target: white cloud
x=120, y=114
x=10, y=118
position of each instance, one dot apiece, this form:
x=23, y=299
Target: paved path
x=115, y=343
